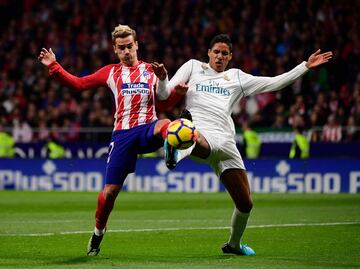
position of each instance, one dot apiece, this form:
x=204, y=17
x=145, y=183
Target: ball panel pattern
x=181, y=134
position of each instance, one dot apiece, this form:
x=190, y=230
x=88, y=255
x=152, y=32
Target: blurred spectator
x=22, y=132
x=299, y=105
x=315, y=133
x=332, y=130
x=352, y=132
x=55, y=150
x=43, y=133
x=300, y=147
x=279, y=122
x=251, y=142
x=334, y=102
x=6, y=144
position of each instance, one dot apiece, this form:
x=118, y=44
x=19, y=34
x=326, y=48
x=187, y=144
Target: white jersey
x=211, y=97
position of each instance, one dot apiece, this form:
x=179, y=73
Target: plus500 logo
x=174, y=182
x=304, y=183
x=64, y=181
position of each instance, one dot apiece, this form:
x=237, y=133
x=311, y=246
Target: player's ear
x=209, y=51
x=114, y=49
x=230, y=56
x=136, y=45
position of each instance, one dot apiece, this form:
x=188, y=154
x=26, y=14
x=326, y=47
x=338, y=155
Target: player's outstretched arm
x=46, y=57
x=97, y=79
x=318, y=58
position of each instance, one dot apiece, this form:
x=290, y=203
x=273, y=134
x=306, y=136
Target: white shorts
x=224, y=153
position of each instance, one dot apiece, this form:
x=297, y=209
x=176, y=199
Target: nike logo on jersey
x=135, y=88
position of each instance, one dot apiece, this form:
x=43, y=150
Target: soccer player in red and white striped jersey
x=136, y=129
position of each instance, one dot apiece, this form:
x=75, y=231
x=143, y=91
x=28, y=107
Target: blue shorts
x=124, y=148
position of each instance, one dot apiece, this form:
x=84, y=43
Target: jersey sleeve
x=97, y=79
x=181, y=76
x=252, y=85
x=162, y=92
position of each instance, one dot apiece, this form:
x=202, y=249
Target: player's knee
x=245, y=206
x=111, y=192
x=161, y=127
x=162, y=123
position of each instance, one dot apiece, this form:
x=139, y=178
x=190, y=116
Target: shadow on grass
x=120, y=259
x=75, y=260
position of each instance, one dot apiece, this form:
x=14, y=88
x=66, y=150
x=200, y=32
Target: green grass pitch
x=178, y=230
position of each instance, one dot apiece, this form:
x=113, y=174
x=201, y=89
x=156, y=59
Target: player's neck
x=133, y=64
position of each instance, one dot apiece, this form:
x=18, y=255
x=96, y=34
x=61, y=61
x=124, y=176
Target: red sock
x=163, y=130
x=103, y=210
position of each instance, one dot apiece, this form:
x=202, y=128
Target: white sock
x=238, y=225
x=99, y=232
x=183, y=153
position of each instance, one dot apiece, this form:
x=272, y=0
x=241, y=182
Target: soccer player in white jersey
x=136, y=129
x=212, y=91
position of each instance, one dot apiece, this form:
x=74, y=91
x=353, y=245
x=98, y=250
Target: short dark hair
x=222, y=38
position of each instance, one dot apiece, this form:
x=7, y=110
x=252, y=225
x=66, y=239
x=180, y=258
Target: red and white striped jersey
x=331, y=133
x=133, y=89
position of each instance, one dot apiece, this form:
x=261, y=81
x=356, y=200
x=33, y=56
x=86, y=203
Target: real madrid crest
x=204, y=66
x=226, y=77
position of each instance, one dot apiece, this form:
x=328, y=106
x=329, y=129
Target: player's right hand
x=181, y=88
x=46, y=57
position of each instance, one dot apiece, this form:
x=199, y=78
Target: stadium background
x=269, y=38
x=48, y=224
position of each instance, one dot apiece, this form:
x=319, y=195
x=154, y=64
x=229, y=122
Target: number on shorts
x=111, y=147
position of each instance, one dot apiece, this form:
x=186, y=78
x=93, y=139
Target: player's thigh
x=224, y=155
x=122, y=157
x=147, y=141
x=202, y=148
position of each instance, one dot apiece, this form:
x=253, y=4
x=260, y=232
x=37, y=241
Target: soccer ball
x=181, y=134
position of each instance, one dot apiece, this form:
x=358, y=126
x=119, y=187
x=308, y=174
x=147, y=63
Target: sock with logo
x=238, y=225
x=103, y=211
x=183, y=153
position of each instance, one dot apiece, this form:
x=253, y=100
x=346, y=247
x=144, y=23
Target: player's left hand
x=159, y=70
x=46, y=57
x=181, y=88
x=318, y=58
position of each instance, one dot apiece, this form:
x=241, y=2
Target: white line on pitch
x=189, y=228
x=117, y=220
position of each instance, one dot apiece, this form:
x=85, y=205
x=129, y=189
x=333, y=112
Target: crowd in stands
x=269, y=37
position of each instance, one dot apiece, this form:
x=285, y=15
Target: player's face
x=126, y=49
x=219, y=56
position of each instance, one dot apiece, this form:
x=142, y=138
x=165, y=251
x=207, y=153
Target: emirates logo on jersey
x=212, y=88
x=135, y=88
